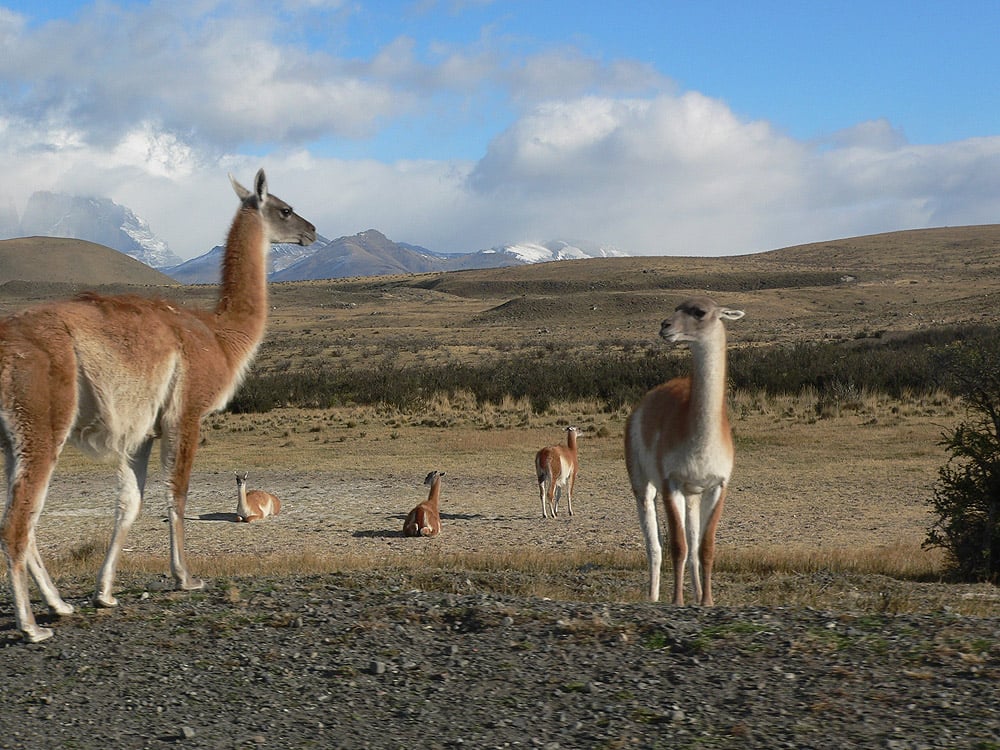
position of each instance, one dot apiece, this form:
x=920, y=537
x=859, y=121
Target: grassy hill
x=838, y=290
x=844, y=290
x=76, y=262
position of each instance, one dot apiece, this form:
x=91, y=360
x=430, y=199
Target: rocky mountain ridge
x=93, y=219
x=368, y=253
x=371, y=253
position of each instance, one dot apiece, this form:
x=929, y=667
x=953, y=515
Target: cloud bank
x=152, y=105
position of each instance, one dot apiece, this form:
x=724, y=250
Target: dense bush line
x=916, y=363
x=734, y=281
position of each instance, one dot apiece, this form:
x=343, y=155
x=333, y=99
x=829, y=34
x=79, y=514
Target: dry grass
x=897, y=580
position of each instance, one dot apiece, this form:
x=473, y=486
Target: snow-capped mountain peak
x=534, y=252
x=99, y=220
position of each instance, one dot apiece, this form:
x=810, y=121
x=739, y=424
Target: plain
x=829, y=501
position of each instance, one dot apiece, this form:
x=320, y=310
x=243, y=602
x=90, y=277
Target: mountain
x=368, y=253
x=371, y=253
x=530, y=252
x=205, y=269
x=97, y=220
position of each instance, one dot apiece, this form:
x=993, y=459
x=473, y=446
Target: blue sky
x=681, y=128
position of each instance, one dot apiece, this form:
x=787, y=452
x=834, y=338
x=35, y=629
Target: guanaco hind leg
x=179, y=457
x=131, y=486
x=17, y=531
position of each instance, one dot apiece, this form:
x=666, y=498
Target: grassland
x=829, y=502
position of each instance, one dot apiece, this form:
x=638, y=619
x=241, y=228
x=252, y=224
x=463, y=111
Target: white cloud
x=223, y=76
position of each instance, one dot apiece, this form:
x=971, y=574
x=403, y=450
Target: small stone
x=187, y=733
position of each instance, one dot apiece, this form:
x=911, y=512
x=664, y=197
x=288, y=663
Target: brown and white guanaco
x=425, y=519
x=556, y=468
x=110, y=374
x=254, y=505
x=679, y=448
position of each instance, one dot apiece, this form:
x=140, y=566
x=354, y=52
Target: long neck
x=571, y=441
x=242, y=305
x=432, y=498
x=708, y=383
x=241, y=493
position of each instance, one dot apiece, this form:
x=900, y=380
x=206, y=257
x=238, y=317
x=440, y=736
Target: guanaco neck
x=571, y=442
x=242, y=305
x=241, y=503
x=708, y=384
x=432, y=497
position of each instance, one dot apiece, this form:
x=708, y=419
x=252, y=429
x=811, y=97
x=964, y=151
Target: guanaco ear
x=260, y=186
x=731, y=314
x=241, y=192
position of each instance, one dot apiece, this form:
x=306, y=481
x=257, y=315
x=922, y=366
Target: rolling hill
x=77, y=262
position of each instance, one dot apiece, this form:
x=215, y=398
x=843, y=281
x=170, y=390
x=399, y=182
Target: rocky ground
x=359, y=660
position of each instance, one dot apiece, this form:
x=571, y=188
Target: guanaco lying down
x=425, y=519
x=254, y=505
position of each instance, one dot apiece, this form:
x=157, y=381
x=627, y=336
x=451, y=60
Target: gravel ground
x=359, y=660
x=362, y=659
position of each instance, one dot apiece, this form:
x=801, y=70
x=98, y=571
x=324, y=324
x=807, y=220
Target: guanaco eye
x=286, y=212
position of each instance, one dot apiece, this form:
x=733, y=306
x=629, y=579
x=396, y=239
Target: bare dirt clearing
x=842, y=485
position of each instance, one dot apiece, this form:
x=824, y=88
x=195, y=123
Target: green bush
x=966, y=498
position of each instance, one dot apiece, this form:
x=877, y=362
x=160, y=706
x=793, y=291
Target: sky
x=657, y=127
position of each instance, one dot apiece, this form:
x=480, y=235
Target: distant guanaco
x=254, y=505
x=425, y=519
x=556, y=467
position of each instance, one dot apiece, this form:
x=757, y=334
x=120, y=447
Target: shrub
x=894, y=366
x=967, y=495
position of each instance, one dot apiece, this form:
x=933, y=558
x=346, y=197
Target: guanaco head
x=695, y=318
x=433, y=477
x=241, y=480
x=281, y=222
